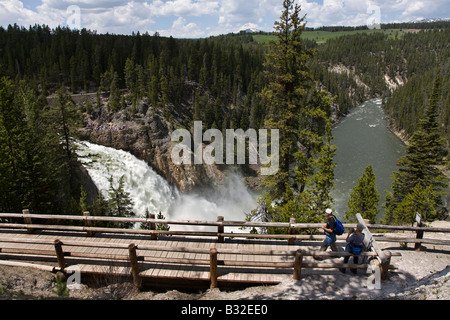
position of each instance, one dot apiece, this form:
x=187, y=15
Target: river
x=363, y=138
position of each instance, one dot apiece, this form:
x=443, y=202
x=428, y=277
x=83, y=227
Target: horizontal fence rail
x=292, y=227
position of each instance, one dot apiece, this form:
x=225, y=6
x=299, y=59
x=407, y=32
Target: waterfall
x=149, y=190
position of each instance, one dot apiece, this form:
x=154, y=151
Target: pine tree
x=317, y=197
x=419, y=200
x=27, y=175
x=301, y=187
x=323, y=177
x=9, y=130
x=161, y=226
x=36, y=159
x=430, y=125
x=153, y=91
x=164, y=83
x=284, y=95
x=364, y=198
x=84, y=204
x=120, y=203
x=62, y=119
x=101, y=208
x=130, y=75
x=197, y=108
x=114, y=94
x=144, y=225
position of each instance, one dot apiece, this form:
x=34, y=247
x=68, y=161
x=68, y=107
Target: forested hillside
x=205, y=79
x=427, y=53
x=218, y=80
x=225, y=68
x=401, y=69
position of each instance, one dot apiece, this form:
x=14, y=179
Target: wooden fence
x=217, y=257
x=30, y=225
x=136, y=254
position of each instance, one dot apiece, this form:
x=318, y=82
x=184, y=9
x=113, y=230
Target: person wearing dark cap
x=354, y=241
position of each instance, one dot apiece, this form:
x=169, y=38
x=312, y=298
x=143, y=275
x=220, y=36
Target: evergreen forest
x=228, y=81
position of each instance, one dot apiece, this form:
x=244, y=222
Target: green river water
x=363, y=139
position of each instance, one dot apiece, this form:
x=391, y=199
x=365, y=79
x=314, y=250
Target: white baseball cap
x=328, y=211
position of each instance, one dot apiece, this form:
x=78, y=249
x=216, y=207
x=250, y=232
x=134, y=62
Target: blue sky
x=202, y=18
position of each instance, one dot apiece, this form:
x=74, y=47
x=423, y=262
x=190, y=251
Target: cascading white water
x=232, y=202
x=149, y=190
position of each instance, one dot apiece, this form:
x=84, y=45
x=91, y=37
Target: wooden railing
x=136, y=253
x=30, y=225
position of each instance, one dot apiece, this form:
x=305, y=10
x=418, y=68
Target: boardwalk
x=189, y=258
x=18, y=245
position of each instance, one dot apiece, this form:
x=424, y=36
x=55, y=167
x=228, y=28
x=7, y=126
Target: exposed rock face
x=147, y=135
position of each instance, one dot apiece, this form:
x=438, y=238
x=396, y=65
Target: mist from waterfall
x=149, y=191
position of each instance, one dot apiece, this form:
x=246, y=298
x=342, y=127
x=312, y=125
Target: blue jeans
x=329, y=239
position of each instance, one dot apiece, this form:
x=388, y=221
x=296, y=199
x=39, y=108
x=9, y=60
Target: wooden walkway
x=82, y=254
x=190, y=259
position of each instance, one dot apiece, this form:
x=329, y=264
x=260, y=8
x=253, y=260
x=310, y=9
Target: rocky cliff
x=145, y=132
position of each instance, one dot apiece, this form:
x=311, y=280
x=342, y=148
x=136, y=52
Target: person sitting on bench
x=354, y=241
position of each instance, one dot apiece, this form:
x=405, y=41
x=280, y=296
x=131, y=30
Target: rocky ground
x=420, y=275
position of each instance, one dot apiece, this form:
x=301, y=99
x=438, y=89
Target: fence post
x=220, y=229
x=368, y=239
x=419, y=233
x=152, y=226
x=385, y=265
x=291, y=231
x=137, y=280
x=60, y=254
x=298, y=265
x=27, y=220
x=213, y=267
x=88, y=223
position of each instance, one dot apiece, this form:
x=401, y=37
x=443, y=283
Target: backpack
x=339, y=230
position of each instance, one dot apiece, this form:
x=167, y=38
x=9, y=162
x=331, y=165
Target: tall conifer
x=120, y=203
x=301, y=113
x=289, y=82
x=364, y=198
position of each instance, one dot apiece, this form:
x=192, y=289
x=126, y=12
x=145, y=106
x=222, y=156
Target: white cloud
x=336, y=12
x=181, y=29
x=116, y=16
x=198, y=18
x=86, y=4
x=125, y=18
x=423, y=8
x=183, y=7
x=13, y=11
x=235, y=15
